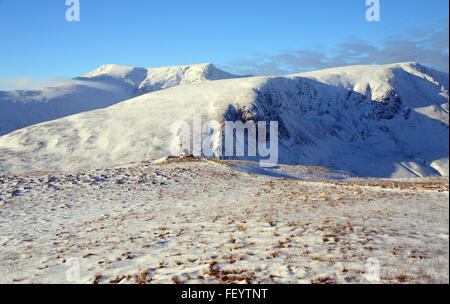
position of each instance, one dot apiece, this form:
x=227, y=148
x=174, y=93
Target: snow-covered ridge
x=382, y=121
x=147, y=80
x=103, y=87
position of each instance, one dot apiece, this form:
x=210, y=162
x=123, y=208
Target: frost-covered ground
x=202, y=221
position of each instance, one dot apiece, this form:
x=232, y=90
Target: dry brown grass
x=142, y=277
x=229, y=276
x=439, y=185
x=317, y=258
x=402, y=277
x=241, y=228
x=176, y=280
x=117, y=280
x=322, y=280
x=97, y=278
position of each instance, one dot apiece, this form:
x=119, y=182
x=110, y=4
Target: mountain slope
x=380, y=121
x=101, y=88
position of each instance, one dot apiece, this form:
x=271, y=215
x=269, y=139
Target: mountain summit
x=377, y=121
x=103, y=87
x=152, y=79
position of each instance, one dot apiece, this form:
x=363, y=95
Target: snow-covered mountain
x=381, y=121
x=103, y=87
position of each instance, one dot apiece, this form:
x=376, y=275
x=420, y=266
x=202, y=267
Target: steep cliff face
x=371, y=121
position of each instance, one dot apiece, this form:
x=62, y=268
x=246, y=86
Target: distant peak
x=438, y=75
x=411, y=64
x=204, y=71
x=111, y=69
x=206, y=64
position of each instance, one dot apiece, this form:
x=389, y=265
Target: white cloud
x=29, y=83
x=426, y=46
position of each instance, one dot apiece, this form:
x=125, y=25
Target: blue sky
x=38, y=45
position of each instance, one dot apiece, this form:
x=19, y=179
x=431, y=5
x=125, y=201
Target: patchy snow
x=192, y=220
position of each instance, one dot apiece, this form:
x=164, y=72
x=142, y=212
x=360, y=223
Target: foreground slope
x=380, y=121
x=199, y=221
x=107, y=85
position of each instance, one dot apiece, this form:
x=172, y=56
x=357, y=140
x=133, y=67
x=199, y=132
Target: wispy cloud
x=429, y=47
x=29, y=83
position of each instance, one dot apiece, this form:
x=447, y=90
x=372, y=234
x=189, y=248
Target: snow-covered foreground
x=201, y=221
